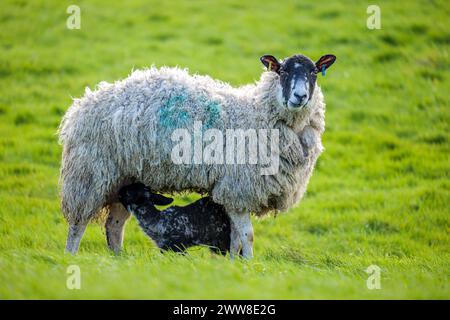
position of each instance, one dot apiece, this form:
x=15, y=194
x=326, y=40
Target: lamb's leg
x=114, y=226
x=76, y=231
x=242, y=226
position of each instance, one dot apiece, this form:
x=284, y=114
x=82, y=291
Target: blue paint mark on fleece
x=172, y=114
x=212, y=109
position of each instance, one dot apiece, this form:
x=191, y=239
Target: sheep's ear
x=271, y=63
x=161, y=200
x=324, y=63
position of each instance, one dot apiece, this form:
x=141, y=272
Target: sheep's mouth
x=295, y=106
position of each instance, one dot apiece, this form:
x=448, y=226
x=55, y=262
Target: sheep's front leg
x=115, y=224
x=235, y=243
x=309, y=138
x=241, y=234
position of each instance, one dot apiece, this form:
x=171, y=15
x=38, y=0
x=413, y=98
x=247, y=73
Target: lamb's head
x=297, y=77
x=138, y=195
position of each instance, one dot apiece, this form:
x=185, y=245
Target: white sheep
x=122, y=133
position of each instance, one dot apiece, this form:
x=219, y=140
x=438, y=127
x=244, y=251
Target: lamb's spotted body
x=177, y=228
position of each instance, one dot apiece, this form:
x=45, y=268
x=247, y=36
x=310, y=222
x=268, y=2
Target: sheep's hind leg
x=114, y=226
x=241, y=231
x=76, y=231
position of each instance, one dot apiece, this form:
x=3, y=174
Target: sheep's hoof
x=114, y=241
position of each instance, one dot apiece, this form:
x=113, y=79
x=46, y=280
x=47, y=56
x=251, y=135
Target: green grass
x=379, y=195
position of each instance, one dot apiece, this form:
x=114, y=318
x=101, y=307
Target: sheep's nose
x=300, y=98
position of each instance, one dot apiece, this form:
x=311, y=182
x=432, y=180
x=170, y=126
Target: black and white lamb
x=176, y=228
x=124, y=132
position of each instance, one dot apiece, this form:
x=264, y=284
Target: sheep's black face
x=137, y=195
x=298, y=75
x=134, y=195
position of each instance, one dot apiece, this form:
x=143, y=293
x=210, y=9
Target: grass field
x=380, y=194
